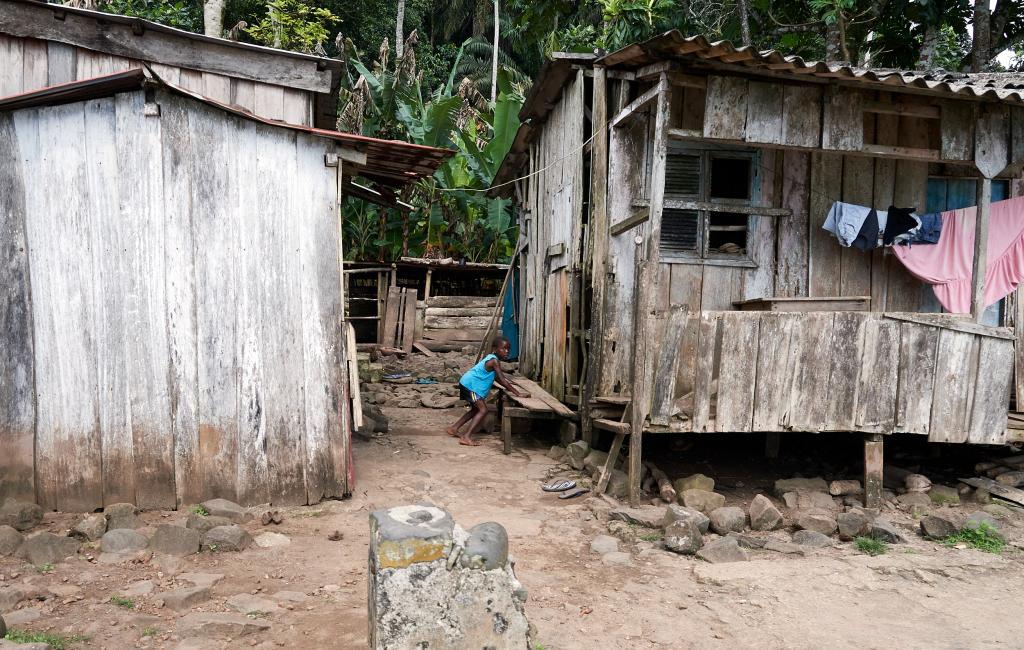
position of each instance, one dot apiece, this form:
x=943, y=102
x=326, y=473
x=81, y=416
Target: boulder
x=683, y=536
x=436, y=401
x=727, y=520
x=936, y=527
x=20, y=515
x=250, y=604
x=998, y=511
x=595, y=460
x=702, y=500
x=884, y=530
x=844, y=488
x=785, y=547
x=185, y=598
x=646, y=516
x=617, y=558
x=604, y=544
x=914, y=502
x=202, y=579
x=812, y=538
x=694, y=482
x=674, y=513
x=800, y=485
x=763, y=514
x=576, y=452
x=618, y=484
x=217, y=624
x=977, y=520
x=10, y=540
x=227, y=509
x=136, y=589
x=90, y=529
x=943, y=494
x=853, y=524
x=47, y=548
x=748, y=541
x=122, y=515
x=204, y=523
x=809, y=501
x=1012, y=479
x=123, y=540
x=226, y=539
x=271, y=540
x=917, y=483
x=176, y=540
x=557, y=452
x=723, y=549
x=818, y=522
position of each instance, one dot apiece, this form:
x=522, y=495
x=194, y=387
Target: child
x=474, y=386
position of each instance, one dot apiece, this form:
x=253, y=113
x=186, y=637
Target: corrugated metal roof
x=388, y=162
x=673, y=45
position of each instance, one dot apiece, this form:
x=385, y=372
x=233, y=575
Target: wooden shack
x=677, y=276
x=171, y=295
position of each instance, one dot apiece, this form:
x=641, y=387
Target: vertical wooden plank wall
x=186, y=320
x=29, y=64
x=17, y=367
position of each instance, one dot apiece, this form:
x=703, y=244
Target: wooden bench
x=540, y=405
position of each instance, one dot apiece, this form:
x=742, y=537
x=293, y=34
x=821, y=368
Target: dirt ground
x=918, y=595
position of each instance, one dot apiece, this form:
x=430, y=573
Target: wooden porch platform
x=539, y=405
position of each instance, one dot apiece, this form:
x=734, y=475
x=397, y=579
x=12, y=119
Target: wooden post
x=598, y=250
x=426, y=287
x=873, y=466
x=646, y=291
x=984, y=202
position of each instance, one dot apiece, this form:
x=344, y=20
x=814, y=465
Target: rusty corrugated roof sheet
x=388, y=162
x=673, y=45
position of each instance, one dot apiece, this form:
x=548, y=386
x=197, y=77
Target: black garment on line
x=867, y=237
x=899, y=222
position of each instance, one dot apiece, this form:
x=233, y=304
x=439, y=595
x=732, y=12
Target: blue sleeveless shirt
x=478, y=379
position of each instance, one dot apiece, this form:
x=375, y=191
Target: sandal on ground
x=561, y=485
x=575, y=493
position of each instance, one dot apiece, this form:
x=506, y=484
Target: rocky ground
x=744, y=561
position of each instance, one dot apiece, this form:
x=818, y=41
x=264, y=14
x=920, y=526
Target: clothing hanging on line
x=866, y=228
x=947, y=264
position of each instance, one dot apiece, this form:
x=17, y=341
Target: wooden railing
x=928, y=374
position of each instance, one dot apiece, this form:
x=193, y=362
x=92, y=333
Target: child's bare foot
x=469, y=442
x=452, y=431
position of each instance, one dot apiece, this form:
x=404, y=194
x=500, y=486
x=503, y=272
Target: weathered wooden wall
x=794, y=255
x=554, y=241
x=931, y=375
x=171, y=305
x=28, y=64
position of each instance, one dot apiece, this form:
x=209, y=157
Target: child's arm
x=504, y=381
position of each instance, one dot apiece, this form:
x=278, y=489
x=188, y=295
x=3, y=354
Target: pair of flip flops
x=566, y=487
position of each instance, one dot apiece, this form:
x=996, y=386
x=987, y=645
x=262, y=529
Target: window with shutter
x=700, y=187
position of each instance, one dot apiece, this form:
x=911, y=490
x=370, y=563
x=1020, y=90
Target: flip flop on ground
x=574, y=493
x=561, y=485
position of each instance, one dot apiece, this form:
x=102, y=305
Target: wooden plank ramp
x=540, y=399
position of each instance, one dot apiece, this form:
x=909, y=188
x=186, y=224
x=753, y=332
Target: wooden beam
x=609, y=463
x=635, y=219
x=952, y=322
x=598, y=242
x=654, y=70
x=929, y=112
x=984, y=202
x=873, y=470
x=634, y=106
x=121, y=37
x=687, y=80
x=906, y=153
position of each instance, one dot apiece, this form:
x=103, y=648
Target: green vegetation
x=121, y=601
x=199, y=510
x=652, y=537
x=150, y=631
x=870, y=545
x=56, y=641
x=983, y=538
x=256, y=614
x=45, y=568
x=431, y=81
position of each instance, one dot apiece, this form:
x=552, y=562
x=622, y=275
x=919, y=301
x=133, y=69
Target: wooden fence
x=933, y=375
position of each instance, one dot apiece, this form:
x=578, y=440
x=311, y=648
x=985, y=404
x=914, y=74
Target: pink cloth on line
x=947, y=264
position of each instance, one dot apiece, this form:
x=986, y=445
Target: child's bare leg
x=454, y=429
x=479, y=413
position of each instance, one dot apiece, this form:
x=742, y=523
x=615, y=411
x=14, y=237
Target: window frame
x=705, y=206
